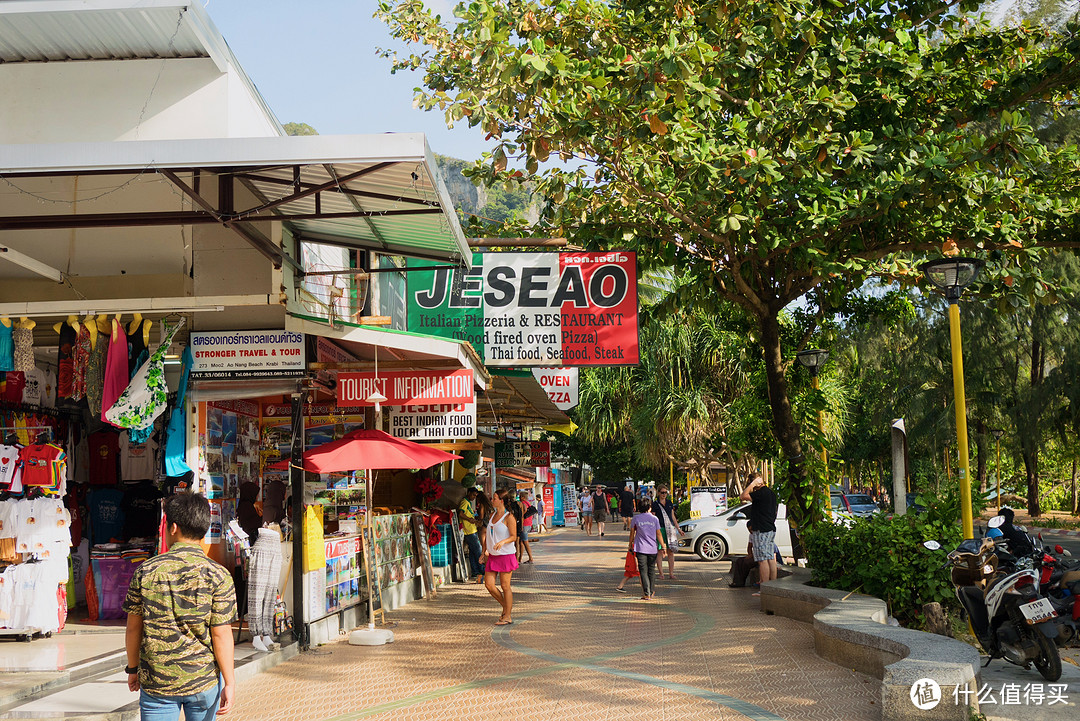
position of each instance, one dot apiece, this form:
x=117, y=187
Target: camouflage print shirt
x=180, y=595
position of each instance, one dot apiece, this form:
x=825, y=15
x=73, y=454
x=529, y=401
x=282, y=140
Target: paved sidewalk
x=577, y=649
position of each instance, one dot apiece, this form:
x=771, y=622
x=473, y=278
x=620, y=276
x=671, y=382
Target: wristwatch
x=131, y=669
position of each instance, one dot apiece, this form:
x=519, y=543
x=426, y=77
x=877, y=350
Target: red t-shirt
x=104, y=456
x=38, y=465
x=14, y=385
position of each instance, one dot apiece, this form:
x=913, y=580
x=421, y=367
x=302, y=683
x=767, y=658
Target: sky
x=315, y=62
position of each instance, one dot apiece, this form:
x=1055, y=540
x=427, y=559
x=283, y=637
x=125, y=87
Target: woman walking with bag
x=500, y=556
x=645, y=541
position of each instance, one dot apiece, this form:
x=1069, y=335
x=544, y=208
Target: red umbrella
x=376, y=450
x=368, y=449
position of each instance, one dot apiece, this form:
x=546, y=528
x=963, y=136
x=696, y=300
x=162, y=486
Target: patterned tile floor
x=577, y=649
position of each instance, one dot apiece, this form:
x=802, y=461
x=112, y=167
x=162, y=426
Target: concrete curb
x=850, y=630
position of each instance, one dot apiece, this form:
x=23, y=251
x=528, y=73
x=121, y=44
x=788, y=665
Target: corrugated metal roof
x=47, y=31
x=393, y=173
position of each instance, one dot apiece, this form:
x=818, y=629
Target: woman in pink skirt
x=500, y=555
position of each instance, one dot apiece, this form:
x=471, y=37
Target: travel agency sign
x=533, y=309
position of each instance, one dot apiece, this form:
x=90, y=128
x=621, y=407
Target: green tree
x=299, y=129
x=772, y=149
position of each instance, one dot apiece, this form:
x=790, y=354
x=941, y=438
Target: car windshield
x=861, y=499
x=837, y=502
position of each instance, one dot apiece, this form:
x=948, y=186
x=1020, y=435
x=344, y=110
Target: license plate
x=1038, y=611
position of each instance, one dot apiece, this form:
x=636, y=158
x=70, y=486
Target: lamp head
x=377, y=398
x=952, y=275
x=997, y=433
x=813, y=359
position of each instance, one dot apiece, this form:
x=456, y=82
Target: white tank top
x=499, y=531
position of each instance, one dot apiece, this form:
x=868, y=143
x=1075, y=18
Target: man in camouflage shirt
x=180, y=608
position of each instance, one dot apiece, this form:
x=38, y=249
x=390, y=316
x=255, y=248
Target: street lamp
x=952, y=275
x=997, y=433
x=814, y=359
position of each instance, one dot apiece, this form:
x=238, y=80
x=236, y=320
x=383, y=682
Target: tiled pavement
x=577, y=649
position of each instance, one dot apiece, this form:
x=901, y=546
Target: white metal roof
x=37, y=31
x=363, y=177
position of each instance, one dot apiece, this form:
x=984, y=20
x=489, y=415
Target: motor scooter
x=1007, y=614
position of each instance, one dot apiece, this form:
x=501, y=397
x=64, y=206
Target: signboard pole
x=296, y=482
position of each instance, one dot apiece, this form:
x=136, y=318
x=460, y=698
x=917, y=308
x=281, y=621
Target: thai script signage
x=247, y=354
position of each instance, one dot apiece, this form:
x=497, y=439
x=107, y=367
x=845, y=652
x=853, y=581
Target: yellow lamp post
x=952, y=275
x=814, y=359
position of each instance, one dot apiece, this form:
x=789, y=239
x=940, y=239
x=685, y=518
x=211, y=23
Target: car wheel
x=711, y=547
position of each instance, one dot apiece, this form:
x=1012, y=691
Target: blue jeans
x=197, y=707
x=472, y=540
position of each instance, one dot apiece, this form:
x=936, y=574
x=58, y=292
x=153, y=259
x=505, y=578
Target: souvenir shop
x=83, y=460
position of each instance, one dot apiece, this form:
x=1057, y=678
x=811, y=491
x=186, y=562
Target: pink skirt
x=501, y=564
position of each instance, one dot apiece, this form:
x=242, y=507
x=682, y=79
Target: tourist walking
x=586, y=512
x=484, y=509
x=180, y=607
x=646, y=540
x=528, y=511
x=626, y=507
x=500, y=557
x=600, y=509
x=664, y=511
x=763, y=505
x=467, y=513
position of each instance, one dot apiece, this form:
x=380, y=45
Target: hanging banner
x=438, y=422
x=549, y=500
x=561, y=385
x=522, y=453
x=707, y=501
x=247, y=354
x=406, y=388
x=533, y=309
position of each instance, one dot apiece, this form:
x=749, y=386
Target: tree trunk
x=1031, y=465
x=1074, y=498
x=980, y=451
x=786, y=431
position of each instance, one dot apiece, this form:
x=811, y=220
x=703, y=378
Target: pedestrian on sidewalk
x=484, y=509
x=600, y=509
x=763, y=506
x=586, y=512
x=467, y=513
x=626, y=507
x=500, y=557
x=646, y=540
x=181, y=606
x=630, y=570
x=527, y=513
x=664, y=511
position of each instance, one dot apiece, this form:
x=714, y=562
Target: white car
x=714, y=537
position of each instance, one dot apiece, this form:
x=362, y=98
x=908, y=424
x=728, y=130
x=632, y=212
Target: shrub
x=682, y=511
x=883, y=556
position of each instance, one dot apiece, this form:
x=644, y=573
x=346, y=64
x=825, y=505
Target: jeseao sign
x=534, y=309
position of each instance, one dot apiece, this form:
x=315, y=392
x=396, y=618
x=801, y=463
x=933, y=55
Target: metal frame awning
x=516, y=397
x=371, y=192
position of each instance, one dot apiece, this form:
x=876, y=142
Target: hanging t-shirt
x=106, y=514
x=14, y=385
x=40, y=464
x=34, y=391
x=7, y=348
x=48, y=398
x=9, y=466
x=9, y=518
x=142, y=510
x=104, y=455
x=137, y=460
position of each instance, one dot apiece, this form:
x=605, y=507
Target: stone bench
x=850, y=631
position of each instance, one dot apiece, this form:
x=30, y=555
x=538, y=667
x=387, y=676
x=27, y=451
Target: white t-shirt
x=48, y=395
x=10, y=473
x=9, y=518
x=137, y=460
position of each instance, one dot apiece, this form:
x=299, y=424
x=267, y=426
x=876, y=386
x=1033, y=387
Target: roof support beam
x=120, y=220
x=347, y=191
x=33, y=265
x=330, y=184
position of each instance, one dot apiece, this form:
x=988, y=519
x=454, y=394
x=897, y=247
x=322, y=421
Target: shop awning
x=396, y=349
x=376, y=192
x=514, y=397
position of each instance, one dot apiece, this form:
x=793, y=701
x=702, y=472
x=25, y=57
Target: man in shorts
x=763, y=506
x=626, y=507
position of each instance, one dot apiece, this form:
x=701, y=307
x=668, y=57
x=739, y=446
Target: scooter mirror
x=932, y=545
x=996, y=522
